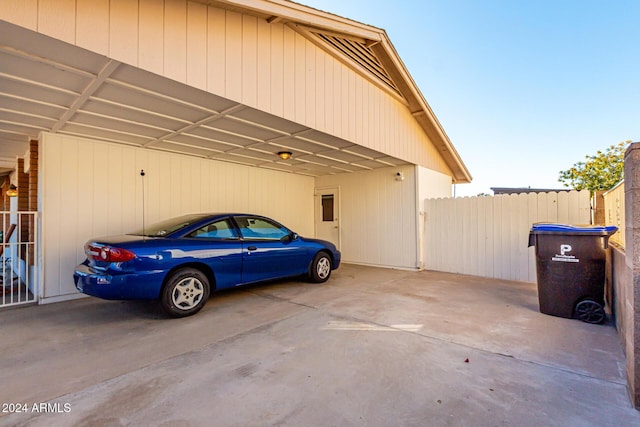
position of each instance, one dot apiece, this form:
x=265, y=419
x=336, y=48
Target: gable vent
x=362, y=55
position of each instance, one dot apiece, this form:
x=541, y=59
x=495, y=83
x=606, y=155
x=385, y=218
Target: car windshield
x=168, y=226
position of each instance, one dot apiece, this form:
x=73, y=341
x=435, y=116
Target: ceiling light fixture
x=284, y=155
x=12, y=191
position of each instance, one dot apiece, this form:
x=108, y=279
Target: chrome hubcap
x=324, y=267
x=187, y=293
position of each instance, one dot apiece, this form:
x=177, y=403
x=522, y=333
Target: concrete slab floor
x=372, y=347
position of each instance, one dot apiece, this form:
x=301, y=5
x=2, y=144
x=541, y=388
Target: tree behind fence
x=488, y=236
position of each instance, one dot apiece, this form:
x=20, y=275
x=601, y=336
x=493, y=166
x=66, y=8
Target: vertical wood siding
x=614, y=213
x=433, y=184
x=267, y=66
x=377, y=216
x=92, y=189
x=488, y=236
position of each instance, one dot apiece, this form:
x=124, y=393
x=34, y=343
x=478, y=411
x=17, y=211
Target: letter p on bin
x=570, y=267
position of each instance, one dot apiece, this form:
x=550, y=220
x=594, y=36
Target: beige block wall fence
x=625, y=273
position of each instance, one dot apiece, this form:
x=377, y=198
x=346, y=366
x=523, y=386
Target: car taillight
x=108, y=253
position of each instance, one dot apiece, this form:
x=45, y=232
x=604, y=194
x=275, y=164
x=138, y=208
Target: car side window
x=260, y=228
x=221, y=229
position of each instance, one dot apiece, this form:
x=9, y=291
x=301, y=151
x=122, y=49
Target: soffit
x=51, y=86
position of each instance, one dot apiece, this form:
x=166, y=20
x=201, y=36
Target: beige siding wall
x=92, y=189
x=267, y=66
x=432, y=185
x=377, y=216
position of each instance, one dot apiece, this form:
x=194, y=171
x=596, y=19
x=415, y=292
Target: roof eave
x=287, y=11
x=421, y=110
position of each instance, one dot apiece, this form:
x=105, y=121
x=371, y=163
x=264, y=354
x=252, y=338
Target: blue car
x=182, y=260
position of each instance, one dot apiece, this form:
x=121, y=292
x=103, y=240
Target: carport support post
x=632, y=258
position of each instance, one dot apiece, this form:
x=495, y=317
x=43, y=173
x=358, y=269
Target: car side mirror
x=289, y=237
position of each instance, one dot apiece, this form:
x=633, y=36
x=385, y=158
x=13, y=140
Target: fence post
x=632, y=259
x=597, y=201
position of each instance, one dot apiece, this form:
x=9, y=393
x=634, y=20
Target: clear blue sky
x=523, y=88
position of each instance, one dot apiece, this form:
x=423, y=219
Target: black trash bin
x=570, y=265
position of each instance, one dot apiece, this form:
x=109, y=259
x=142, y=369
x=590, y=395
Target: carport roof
x=49, y=85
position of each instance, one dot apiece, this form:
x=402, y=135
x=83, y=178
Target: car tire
x=185, y=292
x=320, y=269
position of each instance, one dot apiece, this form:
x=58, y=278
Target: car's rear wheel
x=320, y=269
x=185, y=292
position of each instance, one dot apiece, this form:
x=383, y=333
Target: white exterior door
x=327, y=215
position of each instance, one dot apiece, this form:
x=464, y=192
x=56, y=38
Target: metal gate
x=18, y=258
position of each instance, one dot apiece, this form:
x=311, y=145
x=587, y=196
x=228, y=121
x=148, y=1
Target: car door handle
x=252, y=248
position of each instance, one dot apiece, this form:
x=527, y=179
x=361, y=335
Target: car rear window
x=169, y=226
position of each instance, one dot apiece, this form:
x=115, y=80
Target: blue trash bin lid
x=551, y=228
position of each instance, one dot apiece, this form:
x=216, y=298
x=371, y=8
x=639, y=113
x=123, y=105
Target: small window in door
x=327, y=208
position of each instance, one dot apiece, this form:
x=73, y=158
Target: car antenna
x=142, y=179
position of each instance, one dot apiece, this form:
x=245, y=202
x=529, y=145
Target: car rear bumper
x=118, y=286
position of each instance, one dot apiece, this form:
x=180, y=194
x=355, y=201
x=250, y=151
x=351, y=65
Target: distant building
x=519, y=190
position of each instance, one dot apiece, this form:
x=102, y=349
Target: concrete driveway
x=372, y=347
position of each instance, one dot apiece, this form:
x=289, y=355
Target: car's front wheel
x=185, y=292
x=320, y=269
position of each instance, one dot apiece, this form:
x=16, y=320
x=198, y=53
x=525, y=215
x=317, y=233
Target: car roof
x=222, y=214
x=205, y=218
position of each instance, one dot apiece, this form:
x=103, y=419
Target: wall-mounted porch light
x=12, y=191
x=284, y=155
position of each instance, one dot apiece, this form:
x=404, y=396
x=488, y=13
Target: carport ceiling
x=49, y=85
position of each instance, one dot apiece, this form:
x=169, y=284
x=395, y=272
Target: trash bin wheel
x=590, y=311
